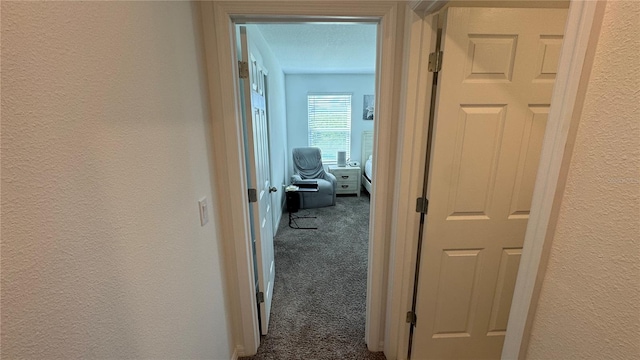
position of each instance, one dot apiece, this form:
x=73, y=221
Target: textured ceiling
x=322, y=48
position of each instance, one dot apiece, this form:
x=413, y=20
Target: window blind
x=330, y=124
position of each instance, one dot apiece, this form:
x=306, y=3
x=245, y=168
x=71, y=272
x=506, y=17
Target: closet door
x=494, y=91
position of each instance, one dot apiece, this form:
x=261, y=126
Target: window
x=330, y=124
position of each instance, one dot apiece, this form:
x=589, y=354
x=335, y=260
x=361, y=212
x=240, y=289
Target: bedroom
x=297, y=64
x=313, y=59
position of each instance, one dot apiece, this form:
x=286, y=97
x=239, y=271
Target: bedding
x=368, y=168
x=367, y=159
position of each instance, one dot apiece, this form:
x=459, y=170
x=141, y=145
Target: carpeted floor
x=318, y=309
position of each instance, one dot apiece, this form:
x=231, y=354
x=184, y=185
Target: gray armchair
x=307, y=166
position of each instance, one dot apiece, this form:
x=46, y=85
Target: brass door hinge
x=243, y=69
x=253, y=195
x=435, y=61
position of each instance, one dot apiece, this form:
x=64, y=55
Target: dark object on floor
x=294, y=194
x=318, y=309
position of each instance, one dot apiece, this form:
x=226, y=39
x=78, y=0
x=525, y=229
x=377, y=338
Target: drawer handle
x=345, y=176
x=345, y=186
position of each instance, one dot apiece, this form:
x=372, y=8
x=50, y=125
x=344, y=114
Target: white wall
x=589, y=306
x=299, y=85
x=105, y=152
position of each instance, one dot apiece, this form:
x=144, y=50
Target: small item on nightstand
x=342, y=158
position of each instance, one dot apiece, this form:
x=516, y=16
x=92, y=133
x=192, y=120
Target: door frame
x=219, y=18
x=403, y=87
x=580, y=39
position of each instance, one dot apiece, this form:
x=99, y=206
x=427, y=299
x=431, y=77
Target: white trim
x=430, y=7
x=581, y=21
x=234, y=356
x=283, y=207
x=566, y=104
x=219, y=34
x=229, y=172
x=419, y=42
x=381, y=208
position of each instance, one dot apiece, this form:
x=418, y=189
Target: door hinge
x=422, y=205
x=260, y=297
x=411, y=318
x=253, y=195
x=243, y=69
x=435, y=61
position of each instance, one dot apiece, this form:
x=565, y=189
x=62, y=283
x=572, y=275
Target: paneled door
x=493, y=97
x=259, y=176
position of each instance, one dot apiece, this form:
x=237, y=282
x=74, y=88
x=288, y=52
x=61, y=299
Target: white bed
x=367, y=159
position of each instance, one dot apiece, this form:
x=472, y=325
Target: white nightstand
x=348, y=179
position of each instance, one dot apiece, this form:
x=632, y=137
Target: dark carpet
x=318, y=309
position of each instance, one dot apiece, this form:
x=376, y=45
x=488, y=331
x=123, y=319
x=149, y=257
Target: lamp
x=342, y=158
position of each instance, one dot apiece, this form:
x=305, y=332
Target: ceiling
x=328, y=48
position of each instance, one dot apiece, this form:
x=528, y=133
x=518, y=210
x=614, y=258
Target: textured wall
x=590, y=300
x=105, y=153
x=299, y=85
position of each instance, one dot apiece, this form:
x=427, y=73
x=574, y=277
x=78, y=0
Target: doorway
x=393, y=235
x=218, y=20
x=576, y=51
x=321, y=72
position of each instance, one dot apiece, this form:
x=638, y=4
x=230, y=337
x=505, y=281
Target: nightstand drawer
x=348, y=178
x=345, y=175
x=347, y=187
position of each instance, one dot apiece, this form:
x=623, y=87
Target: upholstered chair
x=307, y=167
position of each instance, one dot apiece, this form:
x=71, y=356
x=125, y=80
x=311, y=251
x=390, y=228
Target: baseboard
x=237, y=352
x=283, y=207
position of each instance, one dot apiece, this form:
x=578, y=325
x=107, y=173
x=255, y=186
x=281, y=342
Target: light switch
x=204, y=211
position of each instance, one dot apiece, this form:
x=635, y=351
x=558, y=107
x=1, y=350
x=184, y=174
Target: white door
x=259, y=170
x=493, y=99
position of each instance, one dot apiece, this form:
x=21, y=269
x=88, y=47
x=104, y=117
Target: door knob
x=273, y=189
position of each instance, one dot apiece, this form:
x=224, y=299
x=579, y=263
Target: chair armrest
x=332, y=178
